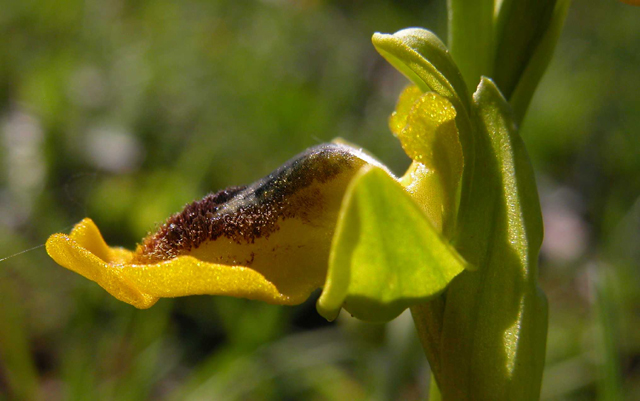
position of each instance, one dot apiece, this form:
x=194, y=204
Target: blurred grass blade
x=386, y=255
x=607, y=327
x=495, y=322
x=16, y=363
x=145, y=331
x=471, y=38
x=538, y=62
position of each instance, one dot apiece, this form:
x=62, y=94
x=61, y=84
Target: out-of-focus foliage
x=125, y=111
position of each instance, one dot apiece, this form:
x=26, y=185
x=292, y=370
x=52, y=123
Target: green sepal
x=385, y=254
x=495, y=320
x=422, y=57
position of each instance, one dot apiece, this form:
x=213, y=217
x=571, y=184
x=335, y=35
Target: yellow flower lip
x=85, y=252
x=269, y=241
x=141, y=285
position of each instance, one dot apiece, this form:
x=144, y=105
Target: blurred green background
x=125, y=111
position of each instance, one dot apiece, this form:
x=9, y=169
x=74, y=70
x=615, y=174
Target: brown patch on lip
x=186, y=229
x=246, y=213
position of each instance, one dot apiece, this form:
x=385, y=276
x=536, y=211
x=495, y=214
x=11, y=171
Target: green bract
x=386, y=254
x=495, y=319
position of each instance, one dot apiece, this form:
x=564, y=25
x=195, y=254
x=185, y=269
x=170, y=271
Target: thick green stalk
x=427, y=318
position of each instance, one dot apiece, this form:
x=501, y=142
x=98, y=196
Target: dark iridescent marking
x=244, y=214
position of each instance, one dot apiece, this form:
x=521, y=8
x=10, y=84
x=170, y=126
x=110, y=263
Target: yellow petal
x=405, y=103
x=142, y=285
x=269, y=241
x=430, y=135
x=85, y=252
x=424, y=186
x=425, y=125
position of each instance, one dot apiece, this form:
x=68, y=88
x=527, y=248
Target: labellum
x=269, y=240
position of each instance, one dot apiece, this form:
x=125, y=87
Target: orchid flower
x=312, y=223
x=455, y=238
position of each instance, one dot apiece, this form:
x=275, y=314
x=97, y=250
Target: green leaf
x=527, y=32
x=520, y=24
x=425, y=60
x=471, y=38
x=495, y=319
x=538, y=62
x=386, y=255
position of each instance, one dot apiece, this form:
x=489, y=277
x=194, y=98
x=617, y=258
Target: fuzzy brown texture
x=246, y=213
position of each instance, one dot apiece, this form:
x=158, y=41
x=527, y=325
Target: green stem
x=427, y=318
